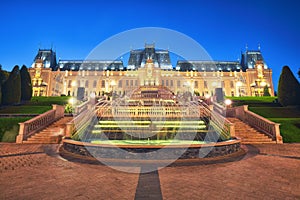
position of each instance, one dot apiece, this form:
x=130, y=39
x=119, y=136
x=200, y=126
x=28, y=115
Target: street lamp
x=228, y=102
x=72, y=101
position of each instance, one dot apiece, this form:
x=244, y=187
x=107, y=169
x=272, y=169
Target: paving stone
x=268, y=171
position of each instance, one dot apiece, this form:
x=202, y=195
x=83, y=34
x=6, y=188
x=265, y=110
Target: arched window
x=86, y=83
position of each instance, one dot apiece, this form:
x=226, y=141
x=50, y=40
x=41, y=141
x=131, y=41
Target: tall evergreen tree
x=26, y=86
x=288, y=88
x=3, y=77
x=11, y=88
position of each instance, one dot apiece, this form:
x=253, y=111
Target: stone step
x=255, y=140
x=39, y=142
x=42, y=139
x=248, y=134
x=51, y=134
x=269, y=142
x=251, y=134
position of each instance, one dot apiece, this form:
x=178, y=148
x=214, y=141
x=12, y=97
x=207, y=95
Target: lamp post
x=207, y=98
x=228, y=103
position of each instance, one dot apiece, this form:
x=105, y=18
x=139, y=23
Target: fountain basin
x=159, y=151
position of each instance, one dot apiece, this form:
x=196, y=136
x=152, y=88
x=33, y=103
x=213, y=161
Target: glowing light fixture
x=228, y=102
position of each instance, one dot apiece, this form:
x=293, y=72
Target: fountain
x=151, y=123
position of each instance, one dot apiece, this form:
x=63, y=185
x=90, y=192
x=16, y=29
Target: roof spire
x=258, y=46
x=246, y=47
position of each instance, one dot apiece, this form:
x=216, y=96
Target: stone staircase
x=248, y=134
x=51, y=134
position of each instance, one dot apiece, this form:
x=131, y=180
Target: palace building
x=150, y=66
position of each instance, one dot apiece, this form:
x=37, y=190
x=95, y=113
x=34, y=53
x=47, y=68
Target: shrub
x=26, y=87
x=11, y=89
x=288, y=88
x=266, y=91
x=3, y=77
x=69, y=108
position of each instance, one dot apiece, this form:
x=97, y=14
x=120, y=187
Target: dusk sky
x=223, y=28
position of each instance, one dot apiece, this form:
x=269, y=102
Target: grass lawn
x=9, y=128
x=254, y=101
x=25, y=109
x=288, y=117
x=289, y=128
x=41, y=101
x=277, y=112
x=37, y=105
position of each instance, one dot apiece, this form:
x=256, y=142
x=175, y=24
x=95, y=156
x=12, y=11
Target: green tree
x=11, y=88
x=26, y=86
x=288, y=88
x=266, y=91
x=3, y=77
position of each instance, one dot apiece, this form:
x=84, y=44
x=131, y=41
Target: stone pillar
x=69, y=129
x=20, y=137
x=59, y=111
x=278, y=137
x=232, y=129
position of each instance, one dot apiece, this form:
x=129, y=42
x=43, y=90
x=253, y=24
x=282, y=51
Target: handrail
x=80, y=108
x=262, y=124
x=82, y=118
x=266, y=126
x=221, y=112
x=32, y=126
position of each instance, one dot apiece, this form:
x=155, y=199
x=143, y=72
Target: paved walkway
x=36, y=172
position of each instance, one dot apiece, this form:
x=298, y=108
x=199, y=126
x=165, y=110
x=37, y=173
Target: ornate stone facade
x=150, y=67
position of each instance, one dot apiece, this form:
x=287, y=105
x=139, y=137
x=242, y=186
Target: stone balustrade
x=32, y=126
x=87, y=113
x=262, y=124
x=143, y=111
x=225, y=126
x=80, y=108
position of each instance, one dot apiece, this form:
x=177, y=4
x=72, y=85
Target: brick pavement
x=36, y=172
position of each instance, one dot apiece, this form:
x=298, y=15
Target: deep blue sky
x=221, y=27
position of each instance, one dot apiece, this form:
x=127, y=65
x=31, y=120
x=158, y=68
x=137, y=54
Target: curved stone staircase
x=248, y=134
x=51, y=134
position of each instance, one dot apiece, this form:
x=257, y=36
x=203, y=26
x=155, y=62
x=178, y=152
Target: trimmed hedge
x=288, y=88
x=11, y=88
